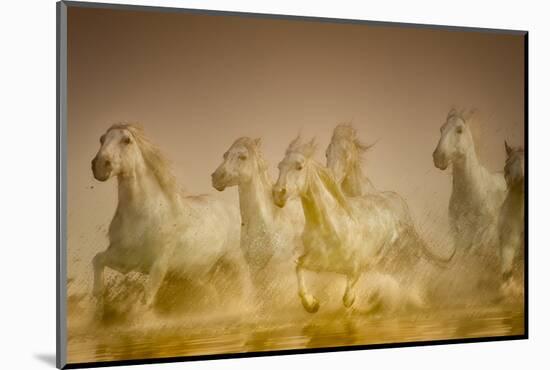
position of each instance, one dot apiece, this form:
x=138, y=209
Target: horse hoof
x=310, y=303
x=348, y=300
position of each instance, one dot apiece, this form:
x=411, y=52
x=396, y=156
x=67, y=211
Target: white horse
x=344, y=155
x=512, y=214
x=345, y=235
x=156, y=229
x=269, y=235
x=477, y=195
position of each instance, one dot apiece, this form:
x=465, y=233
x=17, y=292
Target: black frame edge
x=526, y=200
x=302, y=351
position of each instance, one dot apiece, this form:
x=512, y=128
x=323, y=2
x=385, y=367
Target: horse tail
x=429, y=254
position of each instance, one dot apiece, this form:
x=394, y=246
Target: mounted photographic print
x=234, y=184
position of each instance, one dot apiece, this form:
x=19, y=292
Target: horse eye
x=126, y=140
x=243, y=157
x=299, y=166
x=459, y=129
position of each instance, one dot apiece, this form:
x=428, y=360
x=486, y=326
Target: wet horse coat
x=270, y=236
x=477, y=194
x=344, y=235
x=156, y=229
x=512, y=214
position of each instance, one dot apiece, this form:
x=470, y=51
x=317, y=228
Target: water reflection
x=339, y=328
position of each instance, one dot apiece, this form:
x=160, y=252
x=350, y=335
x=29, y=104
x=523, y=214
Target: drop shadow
x=47, y=358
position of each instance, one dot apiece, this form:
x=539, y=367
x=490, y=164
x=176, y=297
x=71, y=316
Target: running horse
x=477, y=194
x=270, y=236
x=344, y=156
x=156, y=229
x=511, y=224
x=344, y=235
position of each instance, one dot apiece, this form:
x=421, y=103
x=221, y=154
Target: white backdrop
x=27, y=165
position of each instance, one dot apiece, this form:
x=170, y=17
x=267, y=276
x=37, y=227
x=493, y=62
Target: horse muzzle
x=101, y=169
x=279, y=196
x=218, y=182
x=440, y=161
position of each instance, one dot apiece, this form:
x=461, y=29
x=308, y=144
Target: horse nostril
x=107, y=163
x=93, y=162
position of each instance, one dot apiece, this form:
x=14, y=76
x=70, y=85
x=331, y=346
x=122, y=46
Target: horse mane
x=306, y=149
x=347, y=133
x=153, y=157
x=324, y=174
x=332, y=186
x=253, y=147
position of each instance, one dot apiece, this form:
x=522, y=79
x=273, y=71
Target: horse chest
x=141, y=235
x=469, y=207
x=327, y=252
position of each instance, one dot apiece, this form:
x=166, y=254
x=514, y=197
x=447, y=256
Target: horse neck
x=352, y=185
x=139, y=189
x=468, y=174
x=318, y=210
x=516, y=192
x=255, y=200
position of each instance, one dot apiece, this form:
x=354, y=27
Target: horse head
x=118, y=154
x=456, y=140
x=292, y=178
x=514, y=171
x=240, y=163
x=344, y=158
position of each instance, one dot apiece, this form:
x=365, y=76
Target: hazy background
x=198, y=82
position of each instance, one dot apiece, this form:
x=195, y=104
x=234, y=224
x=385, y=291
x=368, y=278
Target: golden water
x=338, y=328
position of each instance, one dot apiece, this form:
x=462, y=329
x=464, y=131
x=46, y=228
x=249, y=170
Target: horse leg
x=154, y=280
x=349, y=295
x=243, y=275
x=98, y=264
x=310, y=303
x=508, y=254
x=112, y=258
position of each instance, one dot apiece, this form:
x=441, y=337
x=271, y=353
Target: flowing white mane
x=346, y=133
x=153, y=157
x=325, y=175
x=306, y=149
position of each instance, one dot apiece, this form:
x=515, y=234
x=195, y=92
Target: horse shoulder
x=207, y=226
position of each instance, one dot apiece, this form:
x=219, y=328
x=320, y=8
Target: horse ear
x=294, y=144
x=508, y=148
x=364, y=147
x=258, y=142
x=452, y=112
x=311, y=147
